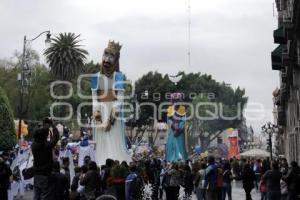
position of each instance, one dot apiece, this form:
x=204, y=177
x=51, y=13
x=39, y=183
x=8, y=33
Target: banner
x=233, y=148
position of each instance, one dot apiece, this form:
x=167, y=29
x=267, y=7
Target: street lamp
x=24, y=76
x=269, y=129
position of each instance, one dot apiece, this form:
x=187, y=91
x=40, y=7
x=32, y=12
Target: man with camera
x=44, y=141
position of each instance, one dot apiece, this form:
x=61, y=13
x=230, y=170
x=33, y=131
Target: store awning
x=276, y=57
x=279, y=36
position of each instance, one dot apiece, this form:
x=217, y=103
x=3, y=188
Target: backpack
x=188, y=180
x=166, y=180
x=220, y=181
x=294, y=183
x=263, y=186
x=175, y=179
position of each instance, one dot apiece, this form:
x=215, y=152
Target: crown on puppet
x=114, y=46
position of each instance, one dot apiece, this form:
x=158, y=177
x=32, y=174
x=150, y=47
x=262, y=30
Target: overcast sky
x=230, y=39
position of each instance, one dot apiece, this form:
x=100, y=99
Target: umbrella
x=255, y=153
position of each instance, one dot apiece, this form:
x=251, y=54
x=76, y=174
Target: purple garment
x=129, y=179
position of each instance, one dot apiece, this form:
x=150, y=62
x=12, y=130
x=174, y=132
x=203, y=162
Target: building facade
x=286, y=59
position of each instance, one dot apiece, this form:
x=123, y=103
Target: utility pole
x=270, y=129
x=189, y=33
x=24, y=76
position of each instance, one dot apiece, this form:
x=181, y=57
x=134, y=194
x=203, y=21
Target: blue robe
x=175, y=149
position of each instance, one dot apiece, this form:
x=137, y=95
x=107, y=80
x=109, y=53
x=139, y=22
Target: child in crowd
x=263, y=189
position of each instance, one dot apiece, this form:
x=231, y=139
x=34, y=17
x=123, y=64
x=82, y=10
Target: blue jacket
x=118, y=84
x=211, y=176
x=129, y=179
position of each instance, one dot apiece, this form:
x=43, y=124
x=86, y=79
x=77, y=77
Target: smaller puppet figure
x=175, y=148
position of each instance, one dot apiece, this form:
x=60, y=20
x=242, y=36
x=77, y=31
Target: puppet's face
x=233, y=143
x=109, y=60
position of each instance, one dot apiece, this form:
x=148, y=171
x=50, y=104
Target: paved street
x=237, y=193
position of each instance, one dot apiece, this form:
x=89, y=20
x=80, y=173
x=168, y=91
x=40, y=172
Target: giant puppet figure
x=107, y=94
x=175, y=148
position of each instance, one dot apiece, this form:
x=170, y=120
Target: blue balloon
x=197, y=150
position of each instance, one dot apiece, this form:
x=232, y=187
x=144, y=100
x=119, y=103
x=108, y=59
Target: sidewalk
x=237, y=193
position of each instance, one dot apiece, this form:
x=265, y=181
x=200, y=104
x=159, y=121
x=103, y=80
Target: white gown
x=109, y=144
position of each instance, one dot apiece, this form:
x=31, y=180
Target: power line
x=189, y=33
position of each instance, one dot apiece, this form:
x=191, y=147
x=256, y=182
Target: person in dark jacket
x=199, y=182
x=284, y=167
x=155, y=168
x=292, y=180
x=133, y=184
x=42, y=151
x=5, y=173
x=248, y=178
x=220, y=181
x=65, y=168
x=227, y=176
x=74, y=195
x=272, y=178
x=265, y=166
x=188, y=181
x=62, y=184
x=92, y=182
x=235, y=168
x=75, y=181
x=172, y=181
x=210, y=183
x=109, y=163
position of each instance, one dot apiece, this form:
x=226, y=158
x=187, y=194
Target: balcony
x=276, y=57
x=279, y=36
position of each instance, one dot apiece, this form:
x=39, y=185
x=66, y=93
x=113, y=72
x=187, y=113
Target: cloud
x=231, y=39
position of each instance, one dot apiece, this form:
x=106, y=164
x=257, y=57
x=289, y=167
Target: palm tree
x=66, y=59
x=65, y=56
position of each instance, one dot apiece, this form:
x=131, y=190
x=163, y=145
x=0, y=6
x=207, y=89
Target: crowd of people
x=275, y=180
x=149, y=178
